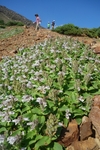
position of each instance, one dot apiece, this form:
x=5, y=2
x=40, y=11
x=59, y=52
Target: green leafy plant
x=70, y=29
x=2, y=22
x=14, y=23
x=43, y=88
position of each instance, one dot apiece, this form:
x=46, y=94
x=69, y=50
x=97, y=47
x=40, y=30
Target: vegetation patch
x=70, y=29
x=5, y=33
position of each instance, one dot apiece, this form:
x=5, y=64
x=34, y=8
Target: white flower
x=25, y=119
x=23, y=132
x=23, y=76
x=12, y=78
x=11, y=113
x=12, y=139
x=29, y=84
x=27, y=98
x=60, y=91
x=81, y=99
x=68, y=114
x=32, y=124
x=1, y=105
x=82, y=108
x=9, y=87
x=1, y=85
x=61, y=73
x=41, y=101
x=5, y=108
x=2, y=138
x=2, y=114
x=60, y=124
x=56, y=60
x=16, y=121
x=52, y=50
x=44, y=104
x=23, y=148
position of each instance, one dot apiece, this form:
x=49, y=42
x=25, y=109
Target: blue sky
x=81, y=13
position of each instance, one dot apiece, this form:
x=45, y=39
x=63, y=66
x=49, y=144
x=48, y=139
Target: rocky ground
x=74, y=137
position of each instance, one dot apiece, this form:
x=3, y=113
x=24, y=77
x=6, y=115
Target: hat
x=36, y=14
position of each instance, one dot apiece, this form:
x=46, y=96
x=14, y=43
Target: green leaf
x=41, y=119
x=57, y=146
x=66, y=121
x=78, y=112
x=72, y=97
x=29, y=148
x=43, y=142
x=95, y=86
x=31, y=134
x=2, y=129
x=63, y=108
x=57, y=85
x=28, y=115
x=71, y=85
x=50, y=103
x=79, y=120
x=38, y=137
x=25, y=109
x=17, y=132
x=37, y=111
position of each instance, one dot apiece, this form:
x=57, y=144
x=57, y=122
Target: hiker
x=53, y=24
x=38, y=22
x=48, y=25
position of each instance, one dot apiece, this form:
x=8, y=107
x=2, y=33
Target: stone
x=89, y=144
x=97, y=49
x=94, y=114
x=96, y=100
x=69, y=134
x=97, y=141
x=85, y=128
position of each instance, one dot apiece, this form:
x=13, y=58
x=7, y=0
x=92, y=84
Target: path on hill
x=10, y=46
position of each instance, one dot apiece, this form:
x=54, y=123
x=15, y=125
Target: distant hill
x=9, y=15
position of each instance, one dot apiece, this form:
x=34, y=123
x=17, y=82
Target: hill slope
x=9, y=15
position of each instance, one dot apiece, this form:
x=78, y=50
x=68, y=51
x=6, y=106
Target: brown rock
x=97, y=50
x=96, y=101
x=89, y=144
x=69, y=134
x=85, y=128
x=94, y=115
x=97, y=141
